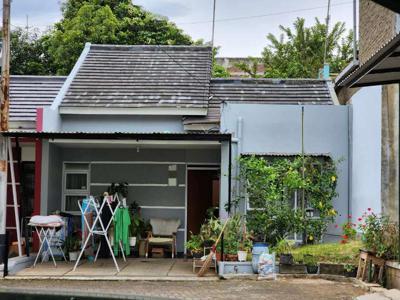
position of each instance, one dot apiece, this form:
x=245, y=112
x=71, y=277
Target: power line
x=264, y=15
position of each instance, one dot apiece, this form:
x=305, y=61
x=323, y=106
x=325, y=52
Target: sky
x=241, y=25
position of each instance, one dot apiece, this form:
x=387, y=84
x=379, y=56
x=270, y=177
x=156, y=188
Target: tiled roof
x=142, y=76
x=30, y=92
x=263, y=91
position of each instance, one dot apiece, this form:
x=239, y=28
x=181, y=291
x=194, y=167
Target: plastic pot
x=242, y=255
x=73, y=256
x=286, y=259
x=312, y=269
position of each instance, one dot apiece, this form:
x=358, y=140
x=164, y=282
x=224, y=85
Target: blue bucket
x=258, y=249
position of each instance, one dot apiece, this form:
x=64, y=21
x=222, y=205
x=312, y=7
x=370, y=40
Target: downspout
x=239, y=152
x=230, y=176
x=354, y=30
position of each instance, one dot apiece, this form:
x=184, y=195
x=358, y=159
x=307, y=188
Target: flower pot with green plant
x=379, y=235
x=284, y=249
x=209, y=231
x=311, y=263
x=195, y=245
x=72, y=246
x=350, y=270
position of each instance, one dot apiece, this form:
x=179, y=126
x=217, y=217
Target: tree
x=218, y=71
x=249, y=66
x=27, y=53
x=106, y=22
x=299, y=53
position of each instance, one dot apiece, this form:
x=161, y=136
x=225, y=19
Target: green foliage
x=28, y=54
x=284, y=246
x=249, y=66
x=218, y=71
x=72, y=243
x=348, y=231
x=299, y=52
x=120, y=188
x=106, y=22
x=331, y=252
x=195, y=243
x=210, y=229
x=271, y=185
x=310, y=260
x=379, y=235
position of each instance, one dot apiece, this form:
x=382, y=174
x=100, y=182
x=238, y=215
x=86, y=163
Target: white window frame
x=66, y=192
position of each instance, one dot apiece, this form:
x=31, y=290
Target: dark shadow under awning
x=393, y=5
x=382, y=68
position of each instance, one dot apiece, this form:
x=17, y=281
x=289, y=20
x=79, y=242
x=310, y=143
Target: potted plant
x=244, y=246
x=137, y=225
x=209, y=231
x=311, y=263
x=231, y=247
x=72, y=246
x=284, y=249
x=350, y=270
x=194, y=245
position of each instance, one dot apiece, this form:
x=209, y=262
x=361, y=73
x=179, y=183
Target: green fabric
x=122, y=221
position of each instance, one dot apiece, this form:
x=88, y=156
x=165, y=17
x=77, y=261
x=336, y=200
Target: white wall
x=366, y=151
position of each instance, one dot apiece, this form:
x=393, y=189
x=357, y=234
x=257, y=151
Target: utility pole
x=4, y=112
x=213, y=24
x=328, y=16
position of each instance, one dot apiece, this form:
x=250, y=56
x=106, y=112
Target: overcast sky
x=241, y=25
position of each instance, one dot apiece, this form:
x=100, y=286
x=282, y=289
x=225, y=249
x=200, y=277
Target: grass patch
x=331, y=252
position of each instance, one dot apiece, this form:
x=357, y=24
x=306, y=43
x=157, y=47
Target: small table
x=198, y=263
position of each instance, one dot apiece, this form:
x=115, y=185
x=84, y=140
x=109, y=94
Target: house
x=369, y=85
x=152, y=116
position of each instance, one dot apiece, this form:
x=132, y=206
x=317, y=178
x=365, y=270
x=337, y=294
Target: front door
x=202, y=197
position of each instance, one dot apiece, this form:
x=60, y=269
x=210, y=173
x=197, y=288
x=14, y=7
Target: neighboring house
x=152, y=116
x=230, y=64
x=370, y=87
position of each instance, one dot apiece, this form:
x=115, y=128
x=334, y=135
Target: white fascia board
x=133, y=142
x=61, y=93
x=174, y=111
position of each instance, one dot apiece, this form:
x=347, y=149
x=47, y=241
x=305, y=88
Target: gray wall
x=276, y=129
x=122, y=123
x=366, y=151
x=148, y=180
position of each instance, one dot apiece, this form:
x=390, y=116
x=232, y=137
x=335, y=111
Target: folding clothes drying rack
x=46, y=236
x=103, y=229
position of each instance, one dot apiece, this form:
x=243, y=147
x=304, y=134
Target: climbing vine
x=271, y=186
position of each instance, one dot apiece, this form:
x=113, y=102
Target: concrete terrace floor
x=133, y=268
x=283, y=289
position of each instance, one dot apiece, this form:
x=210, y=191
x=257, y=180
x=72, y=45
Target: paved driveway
x=282, y=289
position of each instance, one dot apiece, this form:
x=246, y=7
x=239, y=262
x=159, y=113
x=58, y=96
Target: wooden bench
x=366, y=262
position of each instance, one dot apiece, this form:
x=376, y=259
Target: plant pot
x=218, y=256
x=352, y=273
x=286, y=259
x=132, y=241
x=73, y=256
x=208, y=243
x=197, y=254
x=242, y=255
x=231, y=257
x=312, y=269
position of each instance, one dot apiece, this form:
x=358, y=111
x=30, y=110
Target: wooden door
x=203, y=193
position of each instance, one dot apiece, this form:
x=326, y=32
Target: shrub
x=270, y=187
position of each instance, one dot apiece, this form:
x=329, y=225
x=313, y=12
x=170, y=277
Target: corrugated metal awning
x=200, y=136
x=382, y=68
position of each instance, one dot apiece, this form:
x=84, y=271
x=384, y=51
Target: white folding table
x=103, y=228
x=46, y=236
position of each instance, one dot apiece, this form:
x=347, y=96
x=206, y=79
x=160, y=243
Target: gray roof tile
x=264, y=91
x=30, y=92
x=142, y=76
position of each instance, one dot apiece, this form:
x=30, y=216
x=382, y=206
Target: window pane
x=71, y=202
x=76, y=182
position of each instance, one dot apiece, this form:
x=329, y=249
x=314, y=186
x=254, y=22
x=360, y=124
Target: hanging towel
x=122, y=221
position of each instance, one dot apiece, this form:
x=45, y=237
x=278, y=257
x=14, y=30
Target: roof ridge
x=150, y=47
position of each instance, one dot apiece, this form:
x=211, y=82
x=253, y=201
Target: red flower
x=349, y=216
x=359, y=219
x=345, y=237
x=369, y=209
x=336, y=226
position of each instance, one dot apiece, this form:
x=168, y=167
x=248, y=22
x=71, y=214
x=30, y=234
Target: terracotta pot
x=231, y=257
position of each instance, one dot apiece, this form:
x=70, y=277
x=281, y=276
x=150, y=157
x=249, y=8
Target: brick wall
x=377, y=25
